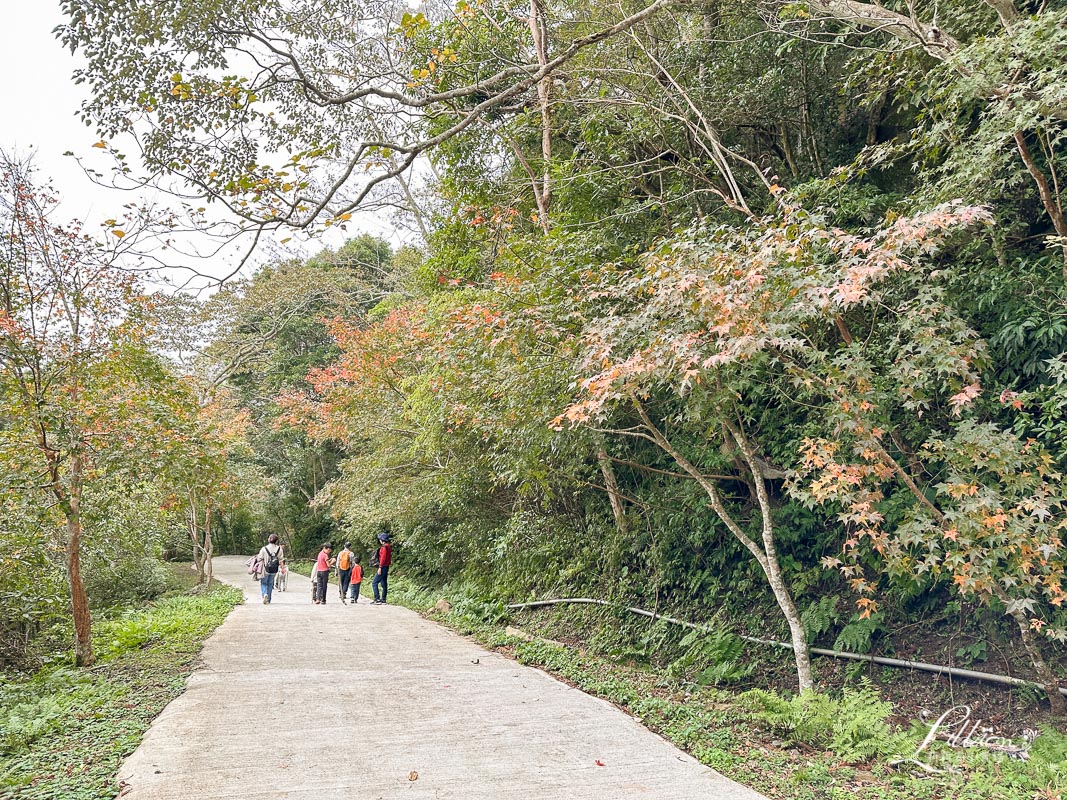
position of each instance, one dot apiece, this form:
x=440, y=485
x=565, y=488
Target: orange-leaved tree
x=723, y=321
x=76, y=380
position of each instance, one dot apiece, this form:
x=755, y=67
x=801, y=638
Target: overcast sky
x=39, y=102
x=38, y=113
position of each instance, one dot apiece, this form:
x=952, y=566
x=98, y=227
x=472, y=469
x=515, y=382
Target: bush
x=126, y=582
x=171, y=619
x=854, y=728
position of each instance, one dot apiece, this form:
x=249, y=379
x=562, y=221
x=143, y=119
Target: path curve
x=374, y=702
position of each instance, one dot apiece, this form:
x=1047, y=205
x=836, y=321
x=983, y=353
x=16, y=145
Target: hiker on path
x=270, y=559
x=345, y=559
x=357, y=579
x=323, y=566
x=382, y=559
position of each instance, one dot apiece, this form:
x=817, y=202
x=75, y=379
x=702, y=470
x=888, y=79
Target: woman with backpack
x=345, y=560
x=270, y=560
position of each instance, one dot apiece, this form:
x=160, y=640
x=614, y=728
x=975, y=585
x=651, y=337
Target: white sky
x=38, y=113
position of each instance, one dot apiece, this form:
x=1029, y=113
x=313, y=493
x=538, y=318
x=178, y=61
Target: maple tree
x=77, y=381
x=714, y=317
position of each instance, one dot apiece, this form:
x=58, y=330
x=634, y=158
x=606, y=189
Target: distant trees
x=267, y=333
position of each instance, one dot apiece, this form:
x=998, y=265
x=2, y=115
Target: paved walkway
x=373, y=702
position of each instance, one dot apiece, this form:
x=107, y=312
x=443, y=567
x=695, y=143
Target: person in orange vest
x=345, y=560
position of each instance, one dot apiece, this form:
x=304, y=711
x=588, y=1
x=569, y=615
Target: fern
x=854, y=727
x=711, y=659
x=858, y=635
x=860, y=730
x=820, y=617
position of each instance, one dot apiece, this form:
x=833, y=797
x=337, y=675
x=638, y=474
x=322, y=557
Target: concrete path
x=365, y=702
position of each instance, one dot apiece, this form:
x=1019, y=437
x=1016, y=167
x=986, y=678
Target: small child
x=282, y=580
x=357, y=579
x=314, y=584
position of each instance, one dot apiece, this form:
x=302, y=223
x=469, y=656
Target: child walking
x=357, y=579
x=282, y=581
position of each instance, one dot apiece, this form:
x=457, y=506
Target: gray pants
x=322, y=577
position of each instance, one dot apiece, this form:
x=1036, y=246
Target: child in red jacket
x=357, y=580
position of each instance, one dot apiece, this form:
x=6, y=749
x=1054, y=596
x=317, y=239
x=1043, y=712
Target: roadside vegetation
x=754, y=314
x=64, y=731
x=696, y=692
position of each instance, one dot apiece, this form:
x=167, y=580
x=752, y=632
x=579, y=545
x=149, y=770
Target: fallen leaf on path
x=600, y=763
x=413, y=775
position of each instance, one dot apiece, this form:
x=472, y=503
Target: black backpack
x=271, y=567
x=374, y=560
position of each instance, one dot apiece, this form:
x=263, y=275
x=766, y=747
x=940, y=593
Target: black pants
x=381, y=579
x=322, y=577
x=346, y=578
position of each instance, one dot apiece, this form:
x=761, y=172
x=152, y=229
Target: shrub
x=854, y=727
x=126, y=582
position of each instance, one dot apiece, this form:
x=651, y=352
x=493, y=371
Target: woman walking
x=345, y=559
x=270, y=559
x=323, y=565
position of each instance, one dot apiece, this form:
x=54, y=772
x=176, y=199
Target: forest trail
x=301, y=701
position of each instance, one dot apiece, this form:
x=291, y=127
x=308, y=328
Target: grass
x=64, y=731
x=809, y=748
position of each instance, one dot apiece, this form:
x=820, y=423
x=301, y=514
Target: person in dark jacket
x=381, y=578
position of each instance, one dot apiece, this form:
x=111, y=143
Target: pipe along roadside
x=938, y=669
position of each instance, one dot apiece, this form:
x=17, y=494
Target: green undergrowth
x=64, y=731
x=807, y=747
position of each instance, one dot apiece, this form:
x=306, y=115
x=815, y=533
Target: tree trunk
x=797, y=635
x=618, y=510
x=771, y=568
x=539, y=33
x=1050, y=197
x=79, y=600
x=194, y=536
x=1044, y=674
x=69, y=501
x=208, y=547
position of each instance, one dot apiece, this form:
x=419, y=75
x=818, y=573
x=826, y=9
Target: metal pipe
x=938, y=669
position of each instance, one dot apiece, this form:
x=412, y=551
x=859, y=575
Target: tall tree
x=74, y=374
